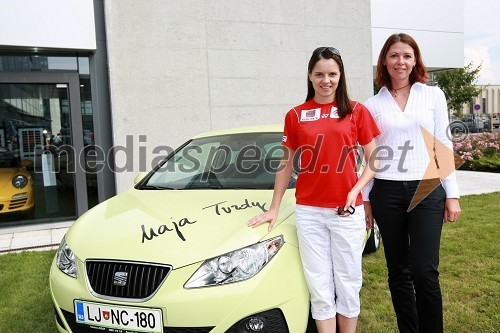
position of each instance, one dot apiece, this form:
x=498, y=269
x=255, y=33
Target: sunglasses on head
x=324, y=48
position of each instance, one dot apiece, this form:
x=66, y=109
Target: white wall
x=179, y=68
x=66, y=24
x=437, y=26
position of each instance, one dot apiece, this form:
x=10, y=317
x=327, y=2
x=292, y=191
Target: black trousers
x=411, y=245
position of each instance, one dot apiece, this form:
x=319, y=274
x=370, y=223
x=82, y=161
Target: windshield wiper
x=155, y=187
x=247, y=187
x=199, y=186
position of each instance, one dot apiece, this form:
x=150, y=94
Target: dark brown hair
x=341, y=96
x=418, y=73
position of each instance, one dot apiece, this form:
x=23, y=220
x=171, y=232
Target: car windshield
x=233, y=161
x=8, y=160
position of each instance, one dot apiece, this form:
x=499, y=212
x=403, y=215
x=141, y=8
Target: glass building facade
x=50, y=146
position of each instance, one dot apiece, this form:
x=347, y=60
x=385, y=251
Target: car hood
x=6, y=175
x=176, y=227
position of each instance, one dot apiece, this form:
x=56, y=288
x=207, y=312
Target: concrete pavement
x=48, y=236
x=473, y=182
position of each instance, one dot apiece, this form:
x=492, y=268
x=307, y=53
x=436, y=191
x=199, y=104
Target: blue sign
x=477, y=107
x=80, y=313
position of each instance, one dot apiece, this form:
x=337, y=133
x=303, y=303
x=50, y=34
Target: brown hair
x=341, y=96
x=418, y=73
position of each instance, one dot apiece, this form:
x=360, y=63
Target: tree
x=458, y=86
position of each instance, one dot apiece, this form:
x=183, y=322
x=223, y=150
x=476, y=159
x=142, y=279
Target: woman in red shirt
x=326, y=131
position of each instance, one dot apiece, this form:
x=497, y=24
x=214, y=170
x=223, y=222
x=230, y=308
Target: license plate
x=116, y=318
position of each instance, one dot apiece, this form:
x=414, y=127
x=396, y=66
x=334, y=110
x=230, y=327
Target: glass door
x=41, y=139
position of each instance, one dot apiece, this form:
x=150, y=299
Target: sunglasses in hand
x=342, y=211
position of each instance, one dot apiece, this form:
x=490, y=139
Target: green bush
x=488, y=164
x=480, y=152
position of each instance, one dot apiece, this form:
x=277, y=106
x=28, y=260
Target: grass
x=25, y=303
x=469, y=267
x=470, y=280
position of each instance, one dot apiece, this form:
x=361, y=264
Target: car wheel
x=373, y=242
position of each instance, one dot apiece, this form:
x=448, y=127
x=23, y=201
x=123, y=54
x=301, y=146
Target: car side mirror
x=139, y=177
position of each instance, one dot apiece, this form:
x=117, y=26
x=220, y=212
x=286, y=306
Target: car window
x=248, y=160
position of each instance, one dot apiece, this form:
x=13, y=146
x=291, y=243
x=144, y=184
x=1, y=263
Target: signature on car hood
x=177, y=227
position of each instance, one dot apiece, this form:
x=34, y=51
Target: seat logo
x=120, y=279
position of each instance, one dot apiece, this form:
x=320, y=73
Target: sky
x=482, y=38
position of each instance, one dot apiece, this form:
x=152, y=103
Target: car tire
x=373, y=242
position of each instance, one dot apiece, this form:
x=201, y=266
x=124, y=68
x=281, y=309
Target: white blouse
x=401, y=148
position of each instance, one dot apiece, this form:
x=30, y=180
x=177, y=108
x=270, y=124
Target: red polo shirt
x=328, y=148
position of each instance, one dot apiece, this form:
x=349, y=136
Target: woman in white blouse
x=414, y=190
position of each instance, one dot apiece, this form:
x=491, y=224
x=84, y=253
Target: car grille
x=78, y=328
x=17, y=203
x=142, y=281
x=274, y=318
x=1, y=207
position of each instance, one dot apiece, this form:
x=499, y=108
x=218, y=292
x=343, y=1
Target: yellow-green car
x=16, y=185
x=174, y=254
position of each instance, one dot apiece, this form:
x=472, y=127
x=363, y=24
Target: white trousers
x=331, y=248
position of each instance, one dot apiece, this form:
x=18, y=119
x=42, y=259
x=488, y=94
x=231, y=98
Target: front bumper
x=23, y=204
x=278, y=292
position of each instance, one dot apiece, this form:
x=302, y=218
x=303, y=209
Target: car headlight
x=66, y=260
x=19, y=181
x=235, y=266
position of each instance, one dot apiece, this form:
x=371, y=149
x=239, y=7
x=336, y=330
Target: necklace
x=395, y=91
